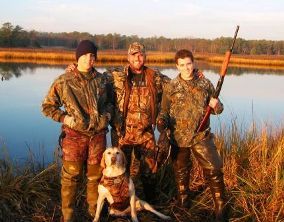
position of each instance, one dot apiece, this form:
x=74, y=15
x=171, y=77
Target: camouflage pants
x=205, y=152
x=78, y=147
x=78, y=151
x=207, y=156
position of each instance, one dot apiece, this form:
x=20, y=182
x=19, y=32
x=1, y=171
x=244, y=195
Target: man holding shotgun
x=183, y=104
x=186, y=106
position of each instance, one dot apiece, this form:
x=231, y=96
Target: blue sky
x=258, y=19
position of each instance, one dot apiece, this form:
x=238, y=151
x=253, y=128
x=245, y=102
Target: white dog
x=118, y=188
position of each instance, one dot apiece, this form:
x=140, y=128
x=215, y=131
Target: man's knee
x=94, y=172
x=182, y=160
x=71, y=170
x=213, y=174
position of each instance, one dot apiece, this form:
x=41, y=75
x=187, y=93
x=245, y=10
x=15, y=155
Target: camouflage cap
x=136, y=47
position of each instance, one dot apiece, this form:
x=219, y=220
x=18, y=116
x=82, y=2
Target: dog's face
x=113, y=156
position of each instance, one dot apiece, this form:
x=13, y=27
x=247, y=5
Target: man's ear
x=103, y=163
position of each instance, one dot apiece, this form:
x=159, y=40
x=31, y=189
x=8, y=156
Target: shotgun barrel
x=219, y=84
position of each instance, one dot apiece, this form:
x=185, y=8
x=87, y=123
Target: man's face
x=86, y=62
x=136, y=61
x=185, y=67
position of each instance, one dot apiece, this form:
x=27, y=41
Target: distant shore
x=59, y=56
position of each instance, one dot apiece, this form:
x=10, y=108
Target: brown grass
x=120, y=56
x=254, y=175
x=253, y=170
x=250, y=60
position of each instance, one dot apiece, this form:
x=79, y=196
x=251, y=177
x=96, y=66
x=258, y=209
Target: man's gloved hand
x=152, y=164
x=161, y=125
x=108, y=115
x=103, y=121
x=199, y=73
x=71, y=67
x=163, y=146
x=69, y=121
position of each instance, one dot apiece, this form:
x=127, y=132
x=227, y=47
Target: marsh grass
x=59, y=56
x=27, y=193
x=253, y=170
x=255, y=61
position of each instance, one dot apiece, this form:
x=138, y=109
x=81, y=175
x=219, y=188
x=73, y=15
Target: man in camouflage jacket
x=183, y=106
x=137, y=91
x=87, y=110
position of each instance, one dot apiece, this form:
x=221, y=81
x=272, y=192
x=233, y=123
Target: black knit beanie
x=85, y=47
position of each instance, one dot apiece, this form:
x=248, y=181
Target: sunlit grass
x=250, y=60
x=29, y=192
x=253, y=170
x=58, y=56
x=254, y=175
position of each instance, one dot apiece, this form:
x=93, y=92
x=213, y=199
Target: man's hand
x=161, y=125
x=103, y=121
x=200, y=74
x=152, y=164
x=108, y=115
x=214, y=103
x=69, y=121
x=163, y=146
x=71, y=67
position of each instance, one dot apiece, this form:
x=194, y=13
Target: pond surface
x=247, y=94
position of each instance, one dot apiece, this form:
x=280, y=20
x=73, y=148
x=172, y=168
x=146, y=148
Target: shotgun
x=219, y=84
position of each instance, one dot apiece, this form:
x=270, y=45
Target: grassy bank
x=56, y=56
x=253, y=169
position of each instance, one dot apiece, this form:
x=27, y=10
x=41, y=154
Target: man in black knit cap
x=85, y=117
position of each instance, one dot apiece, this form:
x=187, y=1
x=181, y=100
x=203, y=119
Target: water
x=246, y=94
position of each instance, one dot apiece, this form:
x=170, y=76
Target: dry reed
x=253, y=170
x=120, y=56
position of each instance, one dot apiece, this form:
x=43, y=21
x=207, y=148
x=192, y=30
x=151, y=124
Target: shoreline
x=56, y=56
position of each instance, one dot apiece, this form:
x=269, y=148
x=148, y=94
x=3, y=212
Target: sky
x=258, y=19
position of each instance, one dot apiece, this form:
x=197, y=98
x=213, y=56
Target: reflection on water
x=9, y=70
x=246, y=94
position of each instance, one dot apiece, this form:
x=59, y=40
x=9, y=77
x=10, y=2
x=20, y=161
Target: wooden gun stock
x=219, y=84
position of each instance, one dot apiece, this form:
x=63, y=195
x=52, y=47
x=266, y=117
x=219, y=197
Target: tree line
x=16, y=36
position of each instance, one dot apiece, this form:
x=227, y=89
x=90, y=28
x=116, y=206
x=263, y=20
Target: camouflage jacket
x=84, y=97
x=121, y=87
x=183, y=107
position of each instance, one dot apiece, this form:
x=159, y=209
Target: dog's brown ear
x=103, y=163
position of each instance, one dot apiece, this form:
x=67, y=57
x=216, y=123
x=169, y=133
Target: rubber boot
x=94, y=174
x=182, y=165
x=71, y=173
x=217, y=188
x=182, y=182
